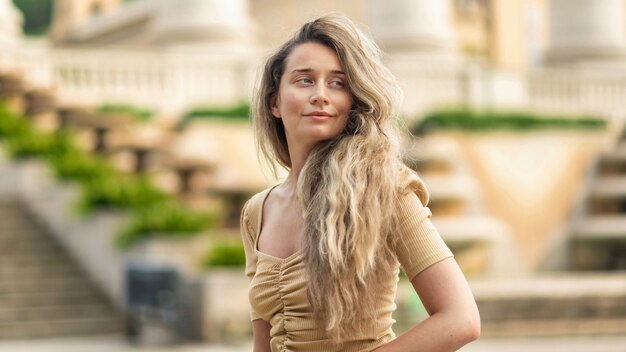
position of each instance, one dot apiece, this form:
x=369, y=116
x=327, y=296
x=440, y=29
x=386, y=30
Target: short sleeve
x=247, y=237
x=419, y=244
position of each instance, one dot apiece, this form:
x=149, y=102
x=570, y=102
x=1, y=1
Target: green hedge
x=77, y=166
x=119, y=192
x=238, y=112
x=165, y=217
x=225, y=254
x=137, y=113
x=466, y=119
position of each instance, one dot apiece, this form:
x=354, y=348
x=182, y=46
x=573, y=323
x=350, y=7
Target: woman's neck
x=298, y=153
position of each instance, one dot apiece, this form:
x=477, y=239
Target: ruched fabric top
x=277, y=289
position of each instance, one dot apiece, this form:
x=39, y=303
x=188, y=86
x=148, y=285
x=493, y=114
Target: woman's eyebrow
x=309, y=70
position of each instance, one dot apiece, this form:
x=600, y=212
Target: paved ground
x=116, y=344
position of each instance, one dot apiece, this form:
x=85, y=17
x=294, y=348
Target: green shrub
x=77, y=165
x=138, y=113
x=238, y=112
x=474, y=120
x=225, y=254
x=32, y=143
x=11, y=125
x=167, y=217
x=119, y=192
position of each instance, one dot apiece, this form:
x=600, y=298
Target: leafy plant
x=31, y=143
x=119, y=192
x=11, y=125
x=166, y=217
x=225, y=254
x=77, y=165
x=238, y=112
x=138, y=113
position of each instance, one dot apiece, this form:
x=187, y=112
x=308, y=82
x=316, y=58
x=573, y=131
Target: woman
x=323, y=248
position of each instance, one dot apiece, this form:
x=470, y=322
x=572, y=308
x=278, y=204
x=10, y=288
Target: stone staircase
x=42, y=291
x=481, y=243
x=598, y=226
x=565, y=304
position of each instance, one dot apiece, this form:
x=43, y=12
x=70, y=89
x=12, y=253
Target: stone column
x=10, y=23
x=586, y=30
x=412, y=25
x=198, y=22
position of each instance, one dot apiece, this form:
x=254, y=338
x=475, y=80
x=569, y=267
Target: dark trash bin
x=153, y=298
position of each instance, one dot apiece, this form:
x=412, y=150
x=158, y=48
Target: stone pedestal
x=586, y=31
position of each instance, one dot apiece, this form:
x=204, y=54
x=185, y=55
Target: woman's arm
x=261, y=332
x=454, y=319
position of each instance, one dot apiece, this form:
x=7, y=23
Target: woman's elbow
x=471, y=327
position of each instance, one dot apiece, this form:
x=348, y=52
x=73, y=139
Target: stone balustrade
x=172, y=82
x=166, y=81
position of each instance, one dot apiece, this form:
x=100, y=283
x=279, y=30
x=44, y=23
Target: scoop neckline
x=258, y=233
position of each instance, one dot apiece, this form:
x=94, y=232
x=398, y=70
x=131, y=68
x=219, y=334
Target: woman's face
x=313, y=98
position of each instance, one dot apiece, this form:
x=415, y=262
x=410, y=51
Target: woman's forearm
x=454, y=317
x=261, y=336
x=439, y=333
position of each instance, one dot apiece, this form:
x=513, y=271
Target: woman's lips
x=319, y=115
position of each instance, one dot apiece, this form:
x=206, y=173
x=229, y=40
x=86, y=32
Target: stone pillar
x=586, y=30
x=10, y=23
x=69, y=15
x=412, y=25
x=194, y=23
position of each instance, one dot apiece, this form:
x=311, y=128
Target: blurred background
x=126, y=154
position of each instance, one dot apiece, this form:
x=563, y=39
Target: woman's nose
x=320, y=95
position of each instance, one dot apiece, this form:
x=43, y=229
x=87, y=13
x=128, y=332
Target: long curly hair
x=348, y=184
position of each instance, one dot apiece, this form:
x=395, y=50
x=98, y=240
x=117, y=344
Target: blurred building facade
x=173, y=55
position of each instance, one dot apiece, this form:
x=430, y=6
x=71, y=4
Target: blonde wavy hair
x=348, y=184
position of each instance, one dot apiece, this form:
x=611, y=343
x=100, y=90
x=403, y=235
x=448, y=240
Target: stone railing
x=165, y=81
x=172, y=82
x=598, y=91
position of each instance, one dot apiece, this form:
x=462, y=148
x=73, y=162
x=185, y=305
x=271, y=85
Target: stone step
x=51, y=249
x=69, y=327
x=51, y=298
x=50, y=313
x=45, y=284
x=612, y=164
x=28, y=245
x=12, y=233
x=28, y=259
x=539, y=308
x=39, y=272
x=17, y=225
x=578, y=296
x=10, y=239
x=554, y=327
x=600, y=228
x=12, y=211
x=609, y=187
x=36, y=267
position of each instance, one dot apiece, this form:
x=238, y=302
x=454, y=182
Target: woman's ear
x=274, y=102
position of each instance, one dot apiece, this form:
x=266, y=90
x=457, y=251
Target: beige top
x=277, y=290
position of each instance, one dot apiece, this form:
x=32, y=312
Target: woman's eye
x=338, y=84
x=305, y=81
